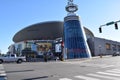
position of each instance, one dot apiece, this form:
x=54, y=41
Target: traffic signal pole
x=110, y=23
x=100, y=28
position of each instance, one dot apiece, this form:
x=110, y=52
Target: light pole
x=100, y=51
x=0, y=52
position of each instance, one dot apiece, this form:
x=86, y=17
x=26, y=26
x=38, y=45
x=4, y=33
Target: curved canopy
x=40, y=31
x=43, y=31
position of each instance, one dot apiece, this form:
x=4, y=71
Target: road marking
x=113, y=71
x=116, y=69
x=102, y=76
x=113, y=74
x=2, y=72
x=65, y=79
x=108, y=73
x=106, y=66
x=86, y=78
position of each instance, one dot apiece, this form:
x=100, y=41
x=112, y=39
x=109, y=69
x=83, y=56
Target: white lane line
x=116, y=69
x=65, y=79
x=106, y=66
x=101, y=76
x=86, y=78
x=108, y=74
x=3, y=74
x=112, y=71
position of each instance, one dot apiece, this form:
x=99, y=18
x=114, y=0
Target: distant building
x=103, y=46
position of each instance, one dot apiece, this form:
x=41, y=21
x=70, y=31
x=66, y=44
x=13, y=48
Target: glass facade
x=74, y=40
x=37, y=46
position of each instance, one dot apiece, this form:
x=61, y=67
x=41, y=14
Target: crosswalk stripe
x=101, y=76
x=112, y=71
x=106, y=66
x=65, y=79
x=108, y=73
x=2, y=72
x=112, y=74
x=85, y=77
x=116, y=69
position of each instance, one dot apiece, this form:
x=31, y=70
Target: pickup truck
x=12, y=58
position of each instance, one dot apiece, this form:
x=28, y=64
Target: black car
x=116, y=54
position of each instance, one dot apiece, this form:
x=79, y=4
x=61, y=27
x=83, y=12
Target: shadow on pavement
x=36, y=78
x=19, y=71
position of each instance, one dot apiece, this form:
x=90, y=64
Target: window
x=118, y=47
x=114, y=47
x=108, y=46
x=12, y=55
x=29, y=45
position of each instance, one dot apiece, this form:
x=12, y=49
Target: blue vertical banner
x=74, y=38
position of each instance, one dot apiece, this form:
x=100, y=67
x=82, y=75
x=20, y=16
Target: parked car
x=12, y=58
x=116, y=54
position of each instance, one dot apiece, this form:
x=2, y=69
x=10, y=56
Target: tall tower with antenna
x=74, y=37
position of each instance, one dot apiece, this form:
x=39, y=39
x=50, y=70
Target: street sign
x=118, y=21
x=110, y=23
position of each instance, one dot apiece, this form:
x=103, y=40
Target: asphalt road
x=106, y=68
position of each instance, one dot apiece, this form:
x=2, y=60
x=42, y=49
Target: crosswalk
x=2, y=73
x=112, y=74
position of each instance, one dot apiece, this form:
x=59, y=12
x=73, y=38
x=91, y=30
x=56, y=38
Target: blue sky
x=18, y=14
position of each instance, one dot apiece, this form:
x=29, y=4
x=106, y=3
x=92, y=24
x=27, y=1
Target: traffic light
x=100, y=30
x=116, y=26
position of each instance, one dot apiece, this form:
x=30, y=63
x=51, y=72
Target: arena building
x=41, y=37
x=33, y=40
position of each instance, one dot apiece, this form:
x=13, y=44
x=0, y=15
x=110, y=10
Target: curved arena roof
x=42, y=31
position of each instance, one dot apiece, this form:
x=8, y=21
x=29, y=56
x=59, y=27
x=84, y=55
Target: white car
x=12, y=58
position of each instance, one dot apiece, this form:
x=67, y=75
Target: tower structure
x=74, y=37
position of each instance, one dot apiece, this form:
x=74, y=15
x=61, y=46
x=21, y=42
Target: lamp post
x=0, y=52
x=100, y=51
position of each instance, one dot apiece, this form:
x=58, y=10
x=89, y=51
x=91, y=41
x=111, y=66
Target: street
x=106, y=68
